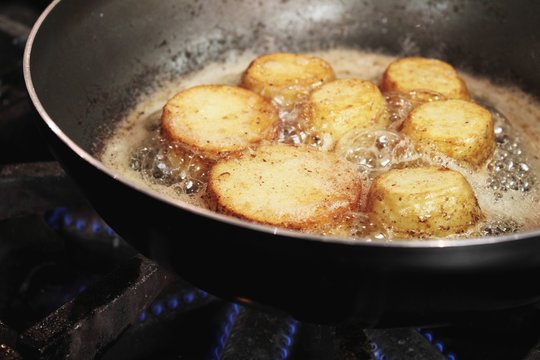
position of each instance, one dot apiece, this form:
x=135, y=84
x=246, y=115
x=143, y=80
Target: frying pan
x=87, y=62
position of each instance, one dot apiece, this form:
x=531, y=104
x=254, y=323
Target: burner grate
x=83, y=326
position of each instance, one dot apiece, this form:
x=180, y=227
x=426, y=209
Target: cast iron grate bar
x=258, y=335
x=179, y=324
x=30, y=188
x=402, y=344
x=251, y=334
x=15, y=29
x=86, y=324
x=8, y=337
x=7, y=353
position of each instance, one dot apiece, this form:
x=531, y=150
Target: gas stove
x=71, y=288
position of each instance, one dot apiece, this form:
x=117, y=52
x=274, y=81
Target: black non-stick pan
x=87, y=62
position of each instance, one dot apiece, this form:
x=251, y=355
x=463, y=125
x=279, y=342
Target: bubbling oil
x=506, y=187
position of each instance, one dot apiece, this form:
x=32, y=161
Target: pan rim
x=85, y=156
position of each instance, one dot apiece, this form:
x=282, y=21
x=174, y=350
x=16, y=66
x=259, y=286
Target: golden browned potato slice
x=422, y=202
x=457, y=128
x=424, y=74
x=285, y=77
x=217, y=119
x=293, y=187
x=342, y=105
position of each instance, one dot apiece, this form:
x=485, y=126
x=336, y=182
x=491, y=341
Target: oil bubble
x=509, y=168
x=374, y=150
x=164, y=163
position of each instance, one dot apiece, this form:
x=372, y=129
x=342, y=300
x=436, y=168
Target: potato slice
x=422, y=202
x=218, y=119
x=342, y=105
x=293, y=187
x=286, y=78
x=457, y=128
x=424, y=74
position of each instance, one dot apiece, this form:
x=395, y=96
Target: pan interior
x=110, y=55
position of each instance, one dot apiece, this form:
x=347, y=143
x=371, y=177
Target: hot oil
x=506, y=187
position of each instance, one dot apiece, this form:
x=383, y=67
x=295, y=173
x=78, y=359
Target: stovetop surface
x=71, y=288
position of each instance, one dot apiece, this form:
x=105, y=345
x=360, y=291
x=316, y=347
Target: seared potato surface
x=424, y=74
x=459, y=129
x=346, y=104
x=217, y=119
x=286, y=78
x=283, y=185
x=423, y=202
